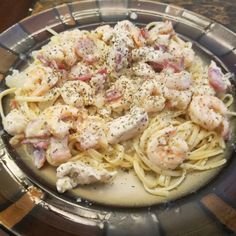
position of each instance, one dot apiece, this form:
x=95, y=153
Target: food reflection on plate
x=96, y=104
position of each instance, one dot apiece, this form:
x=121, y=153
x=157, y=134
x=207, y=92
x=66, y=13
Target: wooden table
x=12, y=11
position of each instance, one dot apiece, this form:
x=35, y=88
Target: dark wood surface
x=12, y=11
x=224, y=12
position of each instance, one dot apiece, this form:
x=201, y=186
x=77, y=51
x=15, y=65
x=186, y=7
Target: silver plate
x=198, y=213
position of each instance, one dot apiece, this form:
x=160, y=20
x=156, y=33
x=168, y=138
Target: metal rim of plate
x=36, y=211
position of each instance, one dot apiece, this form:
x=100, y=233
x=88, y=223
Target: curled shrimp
x=180, y=49
x=104, y=32
x=125, y=36
x=149, y=96
x=120, y=96
x=126, y=31
x=80, y=71
x=143, y=70
x=207, y=111
x=90, y=49
x=178, y=81
x=15, y=122
x=61, y=49
x=225, y=129
x=177, y=90
x=91, y=133
x=160, y=30
x=166, y=150
x=77, y=93
x=40, y=79
x=55, y=119
x=58, y=151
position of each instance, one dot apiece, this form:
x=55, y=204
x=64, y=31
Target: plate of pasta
x=131, y=111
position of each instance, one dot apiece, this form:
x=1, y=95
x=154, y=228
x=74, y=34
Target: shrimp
x=160, y=32
x=15, y=122
x=36, y=128
x=90, y=49
x=150, y=96
x=77, y=93
x=80, y=71
x=40, y=79
x=120, y=96
x=177, y=90
x=217, y=79
x=143, y=70
x=118, y=56
x=55, y=119
x=51, y=121
x=178, y=81
x=207, y=111
x=177, y=99
x=39, y=143
x=125, y=36
x=149, y=54
x=97, y=82
x=92, y=134
x=166, y=150
x=127, y=32
x=104, y=32
x=201, y=85
x=58, y=151
x=203, y=89
x=180, y=49
x=61, y=49
x=225, y=129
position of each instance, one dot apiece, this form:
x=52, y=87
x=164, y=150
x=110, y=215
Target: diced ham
x=175, y=66
x=37, y=143
x=160, y=47
x=14, y=104
x=103, y=71
x=144, y=32
x=156, y=66
x=58, y=151
x=216, y=78
x=168, y=65
x=39, y=158
x=113, y=95
x=84, y=78
x=118, y=58
x=43, y=60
